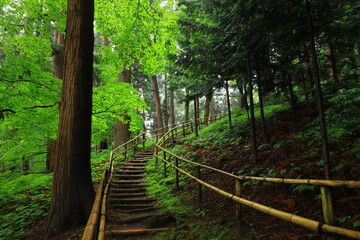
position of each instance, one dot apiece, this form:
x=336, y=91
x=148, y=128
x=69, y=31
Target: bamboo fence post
x=238, y=190
x=156, y=136
x=177, y=172
x=172, y=135
x=135, y=145
x=198, y=174
x=328, y=208
x=184, y=130
x=125, y=151
x=156, y=155
x=144, y=139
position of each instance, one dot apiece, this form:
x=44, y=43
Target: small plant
x=302, y=187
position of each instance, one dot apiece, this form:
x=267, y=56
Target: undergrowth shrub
x=23, y=199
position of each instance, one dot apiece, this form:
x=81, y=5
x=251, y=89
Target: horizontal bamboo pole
x=314, y=182
x=89, y=231
x=101, y=235
x=298, y=220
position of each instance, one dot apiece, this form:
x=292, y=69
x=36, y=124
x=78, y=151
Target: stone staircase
x=132, y=214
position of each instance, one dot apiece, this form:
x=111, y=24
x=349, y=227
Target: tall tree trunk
x=187, y=103
x=207, y=107
x=334, y=72
x=197, y=107
x=58, y=59
x=122, y=131
x=261, y=105
x=196, y=116
x=166, y=106
x=316, y=76
x=212, y=110
x=252, y=114
x=157, y=104
x=172, y=109
x=72, y=191
x=50, y=155
x=228, y=102
x=292, y=96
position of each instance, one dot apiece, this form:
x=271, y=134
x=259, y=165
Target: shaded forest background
x=154, y=61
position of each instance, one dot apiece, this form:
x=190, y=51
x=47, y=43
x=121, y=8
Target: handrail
x=97, y=220
x=301, y=221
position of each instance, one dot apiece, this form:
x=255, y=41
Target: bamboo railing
x=95, y=227
x=316, y=226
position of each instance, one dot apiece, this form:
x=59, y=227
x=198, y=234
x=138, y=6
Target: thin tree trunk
x=157, y=103
x=261, y=105
x=228, y=102
x=72, y=191
x=172, y=109
x=324, y=138
x=122, y=132
x=252, y=115
x=212, y=110
x=292, y=96
x=334, y=71
x=207, y=108
x=166, y=107
x=196, y=109
x=187, y=103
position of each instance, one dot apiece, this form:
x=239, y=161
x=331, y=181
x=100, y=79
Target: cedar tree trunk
x=316, y=77
x=207, y=107
x=72, y=190
x=172, y=109
x=252, y=115
x=122, y=132
x=157, y=104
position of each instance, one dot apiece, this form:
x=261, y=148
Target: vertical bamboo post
x=328, y=208
x=177, y=172
x=144, y=139
x=198, y=174
x=238, y=190
x=156, y=136
x=125, y=151
x=135, y=145
x=184, y=130
x=172, y=135
x=156, y=155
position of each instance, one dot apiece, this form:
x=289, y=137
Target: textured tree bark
x=50, y=162
x=122, y=132
x=187, y=103
x=228, y=103
x=207, y=107
x=212, y=111
x=172, y=108
x=58, y=56
x=157, y=104
x=252, y=115
x=72, y=191
x=261, y=105
x=316, y=77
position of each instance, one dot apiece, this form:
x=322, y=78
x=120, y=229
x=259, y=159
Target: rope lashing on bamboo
x=298, y=220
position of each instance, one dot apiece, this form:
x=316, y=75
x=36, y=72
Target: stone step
x=131, y=201
x=127, y=164
x=128, y=195
x=128, y=186
x=142, y=210
x=128, y=172
x=136, y=232
x=127, y=190
x=122, y=182
x=127, y=176
x=133, y=168
x=137, y=206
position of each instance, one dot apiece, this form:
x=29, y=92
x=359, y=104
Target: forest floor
x=285, y=157
x=288, y=153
